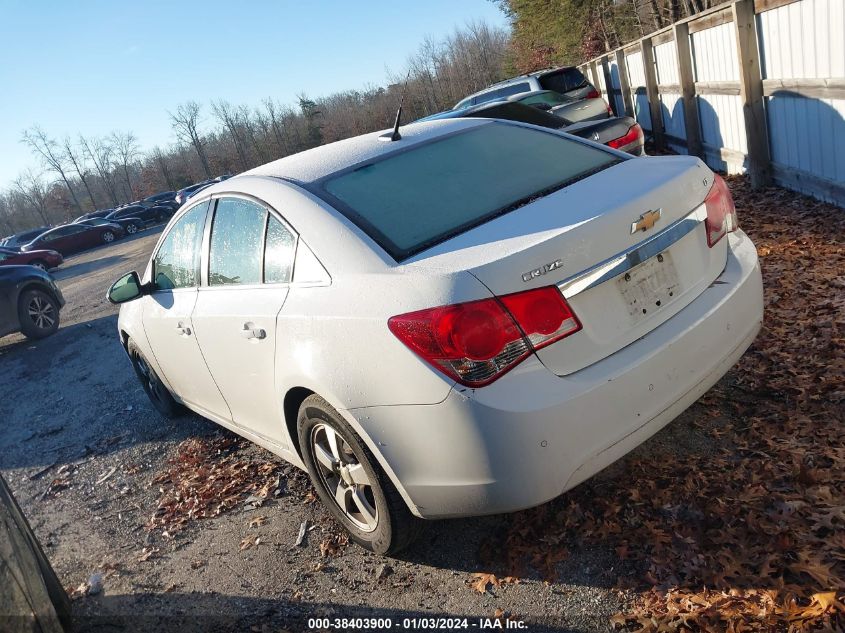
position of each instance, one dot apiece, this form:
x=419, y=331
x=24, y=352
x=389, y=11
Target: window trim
x=164, y=236
x=205, y=258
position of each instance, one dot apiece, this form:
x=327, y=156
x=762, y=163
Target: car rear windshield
x=563, y=80
x=411, y=200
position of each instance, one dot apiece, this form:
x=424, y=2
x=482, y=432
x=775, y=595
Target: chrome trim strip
x=626, y=260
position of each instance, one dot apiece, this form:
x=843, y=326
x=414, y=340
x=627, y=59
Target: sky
x=91, y=67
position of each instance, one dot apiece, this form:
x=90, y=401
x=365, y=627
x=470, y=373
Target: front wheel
x=131, y=229
x=350, y=482
x=38, y=314
x=158, y=394
x=108, y=237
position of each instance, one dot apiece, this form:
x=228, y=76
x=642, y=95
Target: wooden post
x=594, y=76
x=751, y=93
x=691, y=121
x=652, y=94
x=624, y=85
x=608, y=83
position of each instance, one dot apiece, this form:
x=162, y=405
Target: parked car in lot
x=147, y=215
x=572, y=111
x=182, y=194
x=72, y=238
x=470, y=319
x=622, y=133
x=45, y=260
x=19, y=239
x=567, y=81
x=129, y=226
x=30, y=302
x=94, y=214
x=164, y=196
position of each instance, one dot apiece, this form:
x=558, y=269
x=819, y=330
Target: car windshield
x=411, y=200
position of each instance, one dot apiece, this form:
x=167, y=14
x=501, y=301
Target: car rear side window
x=410, y=200
x=278, y=253
x=563, y=80
x=236, y=238
x=177, y=262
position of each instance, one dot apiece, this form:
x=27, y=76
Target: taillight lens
x=634, y=134
x=721, y=213
x=478, y=341
x=593, y=94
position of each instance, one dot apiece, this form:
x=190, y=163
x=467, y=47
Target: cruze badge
x=646, y=221
x=538, y=272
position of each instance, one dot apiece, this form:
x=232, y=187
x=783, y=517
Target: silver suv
x=567, y=80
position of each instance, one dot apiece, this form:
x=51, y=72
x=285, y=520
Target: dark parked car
x=185, y=192
x=130, y=226
x=19, y=239
x=45, y=260
x=158, y=198
x=72, y=238
x=622, y=133
x=30, y=302
x=94, y=214
x=147, y=215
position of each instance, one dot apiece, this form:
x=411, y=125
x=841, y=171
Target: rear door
x=249, y=266
x=167, y=314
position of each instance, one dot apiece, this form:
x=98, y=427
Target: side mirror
x=127, y=288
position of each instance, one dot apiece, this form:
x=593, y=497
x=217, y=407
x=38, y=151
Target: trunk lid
x=580, y=238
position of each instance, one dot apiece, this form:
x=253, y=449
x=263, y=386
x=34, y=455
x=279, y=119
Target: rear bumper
x=532, y=435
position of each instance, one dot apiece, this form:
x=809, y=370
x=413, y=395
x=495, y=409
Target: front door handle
x=183, y=329
x=249, y=331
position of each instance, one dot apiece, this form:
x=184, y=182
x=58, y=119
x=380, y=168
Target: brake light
x=593, y=94
x=721, y=212
x=634, y=134
x=478, y=341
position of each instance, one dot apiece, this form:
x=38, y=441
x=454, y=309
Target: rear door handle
x=249, y=331
x=183, y=329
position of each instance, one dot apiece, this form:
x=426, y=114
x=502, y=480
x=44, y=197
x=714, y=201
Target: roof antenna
x=395, y=135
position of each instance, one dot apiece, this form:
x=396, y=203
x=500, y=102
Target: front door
x=167, y=315
x=249, y=265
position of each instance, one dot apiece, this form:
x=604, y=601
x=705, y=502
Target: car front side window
x=236, y=240
x=177, y=262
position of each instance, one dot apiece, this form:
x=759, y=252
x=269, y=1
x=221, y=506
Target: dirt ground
x=81, y=447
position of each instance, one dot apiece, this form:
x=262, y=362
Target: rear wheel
x=350, y=482
x=158, y=394
x=38, y=313
x=131, y=229
x=108, y=237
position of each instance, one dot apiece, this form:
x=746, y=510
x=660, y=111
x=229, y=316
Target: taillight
x=609, y=109
x=478, y=341
x=721, y=213
x=634, y=134
x=593, y=94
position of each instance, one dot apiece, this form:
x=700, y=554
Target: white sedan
x=470, y=319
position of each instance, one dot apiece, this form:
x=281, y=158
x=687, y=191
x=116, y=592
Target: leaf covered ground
x=751, y=535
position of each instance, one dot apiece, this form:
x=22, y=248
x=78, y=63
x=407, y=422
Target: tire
x=40, y=264
x=387, y=526
x=38, y=314
x=131, y=228
x=108, y=237
x=158, y=394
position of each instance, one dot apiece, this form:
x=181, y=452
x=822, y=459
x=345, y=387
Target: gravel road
x=81, y=447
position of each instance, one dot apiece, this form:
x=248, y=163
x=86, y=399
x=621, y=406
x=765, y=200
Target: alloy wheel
x=131, y=229
x=41, y=312
x=344, y=477
x=108, y=236
x=149, y=380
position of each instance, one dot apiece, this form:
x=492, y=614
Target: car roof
x=316, y=163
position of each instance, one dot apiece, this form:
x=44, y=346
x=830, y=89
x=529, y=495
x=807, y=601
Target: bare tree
x=99, y=152
x=50, y=154
x=32, y=188
x=126, y=150
x=78, y=164
x=185, y=123
x=161, y=162
x=228, y=116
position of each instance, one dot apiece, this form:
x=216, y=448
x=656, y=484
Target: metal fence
x=753, y=86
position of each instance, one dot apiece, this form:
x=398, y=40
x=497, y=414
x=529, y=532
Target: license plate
x=649, y=286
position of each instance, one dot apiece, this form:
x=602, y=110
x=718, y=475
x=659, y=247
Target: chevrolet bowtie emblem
x=646, y=221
